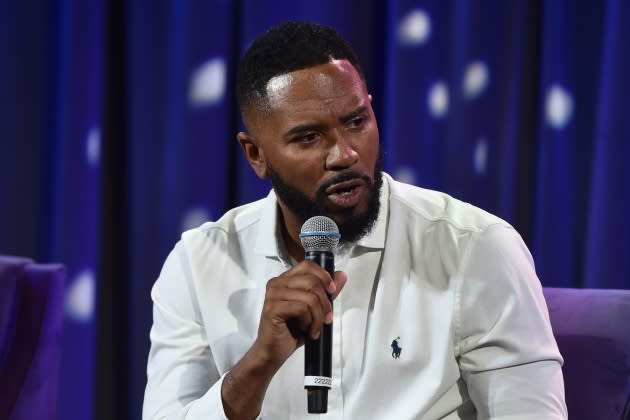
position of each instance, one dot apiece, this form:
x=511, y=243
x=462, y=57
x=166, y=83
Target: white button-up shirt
x=454, y=286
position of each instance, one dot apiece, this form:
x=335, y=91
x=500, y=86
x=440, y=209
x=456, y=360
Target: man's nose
x=342, y=153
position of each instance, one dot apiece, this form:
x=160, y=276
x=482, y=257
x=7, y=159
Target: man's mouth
x=346, y=193
x=345, y=187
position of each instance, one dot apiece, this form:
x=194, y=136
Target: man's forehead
x=321, y=78
x=279, y=86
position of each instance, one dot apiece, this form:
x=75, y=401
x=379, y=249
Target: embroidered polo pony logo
x=395, y=348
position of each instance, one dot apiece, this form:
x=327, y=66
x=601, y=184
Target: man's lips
x=347, y=194
x=345, y=186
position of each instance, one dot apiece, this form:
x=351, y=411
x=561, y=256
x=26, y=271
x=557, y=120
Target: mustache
x=342, y=177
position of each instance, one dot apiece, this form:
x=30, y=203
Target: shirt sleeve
x=182, y=379
x=503, y=338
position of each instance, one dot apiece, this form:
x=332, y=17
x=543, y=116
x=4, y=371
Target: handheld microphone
x=319, y=236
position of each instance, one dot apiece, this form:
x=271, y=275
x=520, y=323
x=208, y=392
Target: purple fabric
x=10, y=269
x=592, y=328
x=29, y=375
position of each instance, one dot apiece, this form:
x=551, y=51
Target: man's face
x=319, y=144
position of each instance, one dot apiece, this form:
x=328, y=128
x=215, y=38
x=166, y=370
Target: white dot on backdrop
x=195, y=217
x=415, y=28
x=405, y=174
x=480, y=156
x=438, y=99
x=93, y=146
x=80, y=296
x=559, y=107
x=207, y=83
x=476, y=79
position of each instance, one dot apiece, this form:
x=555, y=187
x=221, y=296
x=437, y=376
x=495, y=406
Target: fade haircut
x=285, y=48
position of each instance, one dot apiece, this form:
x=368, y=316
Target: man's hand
x=296, y=305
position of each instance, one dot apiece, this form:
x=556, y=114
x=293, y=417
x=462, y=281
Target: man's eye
x=307, y=138
x=357, y=122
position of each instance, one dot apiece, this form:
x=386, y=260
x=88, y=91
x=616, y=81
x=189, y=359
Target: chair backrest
x=31, y=315
x=592, y=328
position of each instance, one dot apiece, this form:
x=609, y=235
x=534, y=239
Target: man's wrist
x=244, y=386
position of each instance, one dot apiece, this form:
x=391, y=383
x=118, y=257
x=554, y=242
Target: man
x=452, y=286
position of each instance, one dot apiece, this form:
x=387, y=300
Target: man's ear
x=253, y=153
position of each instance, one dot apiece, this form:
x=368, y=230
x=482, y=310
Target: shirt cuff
x=210, y=406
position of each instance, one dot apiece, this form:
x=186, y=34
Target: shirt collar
x=376, y=238
x=269, y=235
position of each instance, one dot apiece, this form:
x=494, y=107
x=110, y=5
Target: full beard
x=351, y=227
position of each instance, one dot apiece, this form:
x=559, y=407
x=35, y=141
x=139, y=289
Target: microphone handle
x=318, y=353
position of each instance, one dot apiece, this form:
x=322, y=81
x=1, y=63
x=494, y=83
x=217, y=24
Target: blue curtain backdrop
x=118, y=127
x=51, y=82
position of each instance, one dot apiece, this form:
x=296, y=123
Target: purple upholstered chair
x=31, y=310
x=592, y=328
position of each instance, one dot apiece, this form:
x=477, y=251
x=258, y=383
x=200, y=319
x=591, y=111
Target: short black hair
x=283, y=49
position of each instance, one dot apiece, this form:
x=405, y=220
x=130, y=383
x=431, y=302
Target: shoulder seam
x=422, y=213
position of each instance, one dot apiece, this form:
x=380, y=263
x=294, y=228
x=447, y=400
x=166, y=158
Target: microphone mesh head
x=319, y=233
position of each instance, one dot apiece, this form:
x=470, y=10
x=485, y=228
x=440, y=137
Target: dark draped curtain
x=118, y=125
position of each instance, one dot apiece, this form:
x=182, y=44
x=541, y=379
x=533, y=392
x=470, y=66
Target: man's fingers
x=300, y=299
x=332, y=285
x=312, y=285
x=305, y=307
x=339, y=280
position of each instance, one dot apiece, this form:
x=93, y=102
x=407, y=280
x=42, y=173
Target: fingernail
x=316, y=336
x=329, y=318
x=332, y=287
